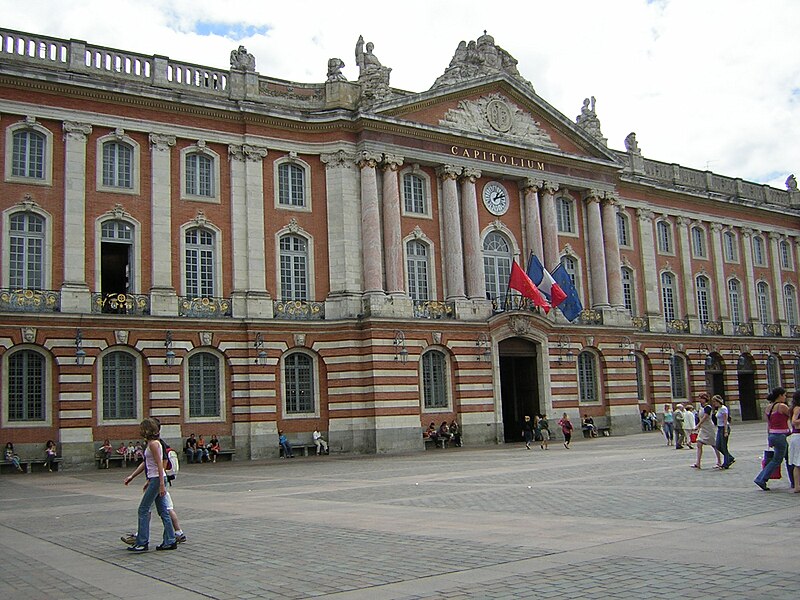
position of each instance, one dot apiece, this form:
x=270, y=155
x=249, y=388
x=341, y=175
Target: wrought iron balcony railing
x=677, y=325
x=434, y=309
x=121, y=304
x=298, y=310
x=711, y=327
x=25, y=300
x=205, y=308
x=743, y=329
x=772, y=329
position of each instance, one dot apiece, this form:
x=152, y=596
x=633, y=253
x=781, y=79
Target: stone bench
x=28, y=465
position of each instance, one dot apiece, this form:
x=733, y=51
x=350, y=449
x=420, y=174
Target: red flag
x=520, y=281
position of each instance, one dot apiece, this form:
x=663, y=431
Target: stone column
x=163, y=298
x=533, y=223
x=473, y=253
x=371, y=247
x=392, y=235
x=611, y=248
x=649, y=270
x=689, y=299
x=75, y=293
x=749, y=283
x=720, y=282
x=549, y=225
x=451, y=224
x=597, y=257
x=777, y=278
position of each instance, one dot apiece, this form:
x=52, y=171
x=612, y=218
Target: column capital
x=592, y=195
x=246, y=152
x=76, y=131
x=392, y=162
x=531, y=183
x=682, y=222
x=644, y=214
x=161, y=142
x=747, y=232
x=368, y=159
x=470, y=173
x=338, y=159
x=716, y=227
x=774, y=236
x=549, y=187
x=610, y=200
x=448, y=172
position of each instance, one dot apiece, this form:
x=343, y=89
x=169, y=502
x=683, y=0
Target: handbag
x=693, y=437
x=776, y=472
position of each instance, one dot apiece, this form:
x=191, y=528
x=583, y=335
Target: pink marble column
x=392, y=241
x=533, y=222
x=371, y=246
x=549, y=225
x=611, y=247
x=451, y=224
x=473, y=255
x=597, y=257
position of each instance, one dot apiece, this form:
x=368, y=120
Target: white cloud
x=700, y=81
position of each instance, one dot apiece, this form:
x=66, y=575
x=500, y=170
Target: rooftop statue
x=589, y=122
x=372, y=75
x=335, y=66
x=791, y=183
x=477, y=59
x=242, y=60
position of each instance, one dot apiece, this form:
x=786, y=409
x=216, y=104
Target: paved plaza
x=618, y=517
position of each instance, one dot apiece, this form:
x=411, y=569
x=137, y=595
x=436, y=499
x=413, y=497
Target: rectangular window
x=291, y=185
x=199, y=175
x=204, y=386
x=678, y=373
x=117, y=165
x=119, y=386
x=729, y=245
x=28, y=155
x=414, y=194
x=299, y=384
x=26, y=393
x=434, y=380
x=759, y=257
x=587, y=379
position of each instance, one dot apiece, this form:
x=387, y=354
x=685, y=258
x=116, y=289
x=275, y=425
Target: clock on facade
x=495, y=198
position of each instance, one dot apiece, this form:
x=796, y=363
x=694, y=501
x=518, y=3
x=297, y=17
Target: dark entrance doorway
x=715, y=375
x=746, y=374
x=519, y=385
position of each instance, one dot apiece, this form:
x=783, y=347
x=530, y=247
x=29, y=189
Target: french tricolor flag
x=545, y=282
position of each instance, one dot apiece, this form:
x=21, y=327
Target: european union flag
x=571, y=307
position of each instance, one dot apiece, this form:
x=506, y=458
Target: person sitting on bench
x=588, y=426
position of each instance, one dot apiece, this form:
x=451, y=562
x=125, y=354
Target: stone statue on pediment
x=476, y=59
x=589, y=122
x=791, y=183
x=242, y=60
x=335, y=66
x=631, y=145
x=372, y=75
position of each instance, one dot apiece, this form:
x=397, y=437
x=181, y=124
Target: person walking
x=679, y=420
x=794, y=442
x=778, y=428
x=566, y=429
x=668, y=424
x=689, y=424
x=544, y=431
x=723, y=430
x=527, y=431
x=706, y=436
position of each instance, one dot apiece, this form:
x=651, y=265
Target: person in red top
x=778, y=428
x=566, y=429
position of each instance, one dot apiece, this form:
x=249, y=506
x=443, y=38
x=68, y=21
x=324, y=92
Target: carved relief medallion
x=206, y=337
x=29, y=334
x=121, y=336
x=499, y=115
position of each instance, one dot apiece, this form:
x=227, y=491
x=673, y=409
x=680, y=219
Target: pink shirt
x=150, y=464
x=777, y=422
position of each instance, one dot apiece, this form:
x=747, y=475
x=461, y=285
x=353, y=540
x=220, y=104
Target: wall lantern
x=485, y=345
x=261, y=357
x=169, y=356
x=400, y=351
x=80, y=353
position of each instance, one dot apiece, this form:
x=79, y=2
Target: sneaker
x=129, y=539
x=763, y=486
x=180, y=538
x=173, y=546
x=134, y=548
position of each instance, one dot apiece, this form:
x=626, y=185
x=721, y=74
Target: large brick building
x=234, y=254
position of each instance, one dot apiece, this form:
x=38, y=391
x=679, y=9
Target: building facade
x=238, y=254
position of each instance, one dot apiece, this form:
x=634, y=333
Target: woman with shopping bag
x=778, y=429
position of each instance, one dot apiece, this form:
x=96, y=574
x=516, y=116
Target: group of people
x=783, y=437
x=197, y=450
x=445, y=432
x=536, y=429
x=133, y=452
x=286, y=446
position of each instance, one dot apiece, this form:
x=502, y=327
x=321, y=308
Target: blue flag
x=571, y=307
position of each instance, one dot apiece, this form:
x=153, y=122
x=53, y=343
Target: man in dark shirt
x=193, y=451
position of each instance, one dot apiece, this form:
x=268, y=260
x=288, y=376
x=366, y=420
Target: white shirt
x=722, y=416
x=316, y=435
x=689, y=420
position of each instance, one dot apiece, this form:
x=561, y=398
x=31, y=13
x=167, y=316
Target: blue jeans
x=722, y=445
x=777, y=441
x=148, y=498
x=668, y=432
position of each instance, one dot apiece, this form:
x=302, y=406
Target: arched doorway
x=746, y=374
x=715, y=375
x=519, y=384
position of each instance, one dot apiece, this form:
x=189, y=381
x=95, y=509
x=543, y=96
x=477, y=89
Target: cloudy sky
x=709, y=84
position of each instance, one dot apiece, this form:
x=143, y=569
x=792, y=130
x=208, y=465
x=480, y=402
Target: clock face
x=495, y=198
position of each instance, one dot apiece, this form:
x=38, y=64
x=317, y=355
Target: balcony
x=711, y=327
x=121, y=304
x=512, y=302
x=677, y=325
x=771, y=329
x=30, y=300
x=204, y=308
x=299, y=310
x=433, y=309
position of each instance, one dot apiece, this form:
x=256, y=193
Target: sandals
x=695, y=466
x=718, y=467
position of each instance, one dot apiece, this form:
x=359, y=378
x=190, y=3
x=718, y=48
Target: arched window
x=641, y=378
x=418, y=266
x=28, y=154
x=27, y=378
x=790, y=303
x=730, y=247
x=786, y=254
x=735, y=301
x=294, y=268
x=627, y=289
x=587, y=377
x=668, y=295
x=773, y=372
x=204, y=389
x=759, y=252
x=764, y=310
x=298, y=374
x=199, y=171
x=119, y=386
x=496, y=264
x=199, y=250
x=26, y=251
x=664, y=237
x=623, y=229
x=414, y=194
x=703, y=290
x=564, y=215
x=291, y=185
x=117, y=165
x=117, y=258
x=677, y=371
x=434, y=380
x=699, y=242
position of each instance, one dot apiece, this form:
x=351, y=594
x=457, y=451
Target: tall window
x=571, y=267
x=203, y=385
x=786, y=254
x=735, y=301
x=119, y=386
x=640, y=378
x=668, y=295
x=200, y=175
x=291, y=185
x=418, y=264
x=702, y=287
x=26, y=252
x=790, y=303
x=623, y=230
x=762, y=295
x=587, y=377
x=434, y=380
x=414, y=194
x=627, y=288
x=294, y=268
x=298, y=374
x=26, y=386
x=566, y=221
x=773, y=372
x=699, y=242
x=759, y=253
x=796, y=371
x=117, y=165
x=28, y=154
x=730, y=247
x=677, y=371
x=496, y=264
x=199, y=263
x=664, y=236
